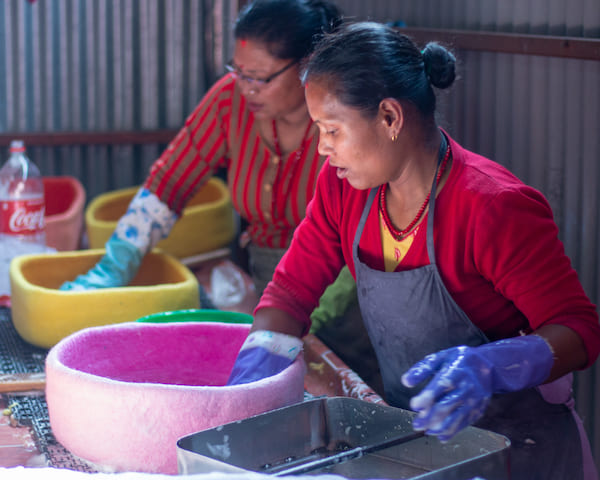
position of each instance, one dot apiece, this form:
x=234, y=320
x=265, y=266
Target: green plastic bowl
x=197, y=315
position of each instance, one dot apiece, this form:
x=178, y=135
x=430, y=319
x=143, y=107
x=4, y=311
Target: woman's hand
x=273, y=344
x=463, y=379
x=147, y=221
x=116, y=268
x=264, y=354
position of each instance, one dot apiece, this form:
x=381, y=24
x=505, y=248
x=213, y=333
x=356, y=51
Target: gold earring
x=394, y=138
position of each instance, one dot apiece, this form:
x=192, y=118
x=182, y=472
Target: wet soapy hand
x=465, y=378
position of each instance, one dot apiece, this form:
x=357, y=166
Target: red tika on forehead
x=243, y=42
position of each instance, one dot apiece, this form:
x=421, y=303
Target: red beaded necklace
x=302, y=143
x=400, y=234
x=285, y=182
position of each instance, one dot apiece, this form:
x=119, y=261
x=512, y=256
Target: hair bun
x=331, y=16
x=440, y=65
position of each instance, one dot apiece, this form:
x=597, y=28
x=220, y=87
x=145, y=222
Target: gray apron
x=410, y=314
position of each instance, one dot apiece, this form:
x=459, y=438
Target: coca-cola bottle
x=22, y=227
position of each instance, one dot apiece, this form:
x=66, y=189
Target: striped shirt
x=269, y=192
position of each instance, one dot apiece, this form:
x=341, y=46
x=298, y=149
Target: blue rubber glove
x=465, y=378
x=263, y=354
x=147, y=221
x=116, y=268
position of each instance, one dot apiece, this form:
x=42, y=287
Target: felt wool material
x=120, y=396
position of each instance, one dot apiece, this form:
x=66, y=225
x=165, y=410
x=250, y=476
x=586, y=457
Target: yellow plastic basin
x=207, y=221
x=43, y=315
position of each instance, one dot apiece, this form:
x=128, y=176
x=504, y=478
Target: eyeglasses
x=257, y=81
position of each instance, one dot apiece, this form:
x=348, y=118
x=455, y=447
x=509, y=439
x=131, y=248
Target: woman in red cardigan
x=474, y=310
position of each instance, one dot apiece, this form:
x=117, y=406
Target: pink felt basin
x=121, y=395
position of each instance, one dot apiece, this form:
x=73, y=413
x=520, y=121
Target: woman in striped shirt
x=252, y=122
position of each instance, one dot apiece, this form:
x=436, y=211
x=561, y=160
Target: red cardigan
x=496, y=244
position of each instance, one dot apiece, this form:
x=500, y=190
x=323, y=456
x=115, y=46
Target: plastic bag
x=227, y=286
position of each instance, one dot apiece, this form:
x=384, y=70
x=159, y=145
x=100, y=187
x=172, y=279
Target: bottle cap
x=17, y=146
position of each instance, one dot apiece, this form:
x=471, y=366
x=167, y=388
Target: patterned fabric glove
x=263, y=354
x=464, y=379
x=146, y=222
x=116, y=268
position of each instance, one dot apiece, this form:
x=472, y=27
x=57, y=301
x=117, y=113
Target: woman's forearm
x=277, y=321
x=568, y=349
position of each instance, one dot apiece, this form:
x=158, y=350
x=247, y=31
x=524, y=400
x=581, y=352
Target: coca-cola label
x=22, y=217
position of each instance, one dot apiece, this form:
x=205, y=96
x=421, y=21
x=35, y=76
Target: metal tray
x=279, y=440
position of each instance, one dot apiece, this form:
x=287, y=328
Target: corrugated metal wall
x=110, y=65
x=539, y=116
x=577, y=18
x=97, y=65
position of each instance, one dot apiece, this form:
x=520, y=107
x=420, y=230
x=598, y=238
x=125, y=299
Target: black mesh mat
x=18, y=356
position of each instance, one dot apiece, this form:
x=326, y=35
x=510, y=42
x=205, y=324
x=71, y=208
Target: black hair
x=289, y=28
x=366, y=62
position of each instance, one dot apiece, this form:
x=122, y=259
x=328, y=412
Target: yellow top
x=394, y=250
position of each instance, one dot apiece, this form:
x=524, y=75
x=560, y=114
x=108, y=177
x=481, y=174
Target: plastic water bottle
x=22, y=208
